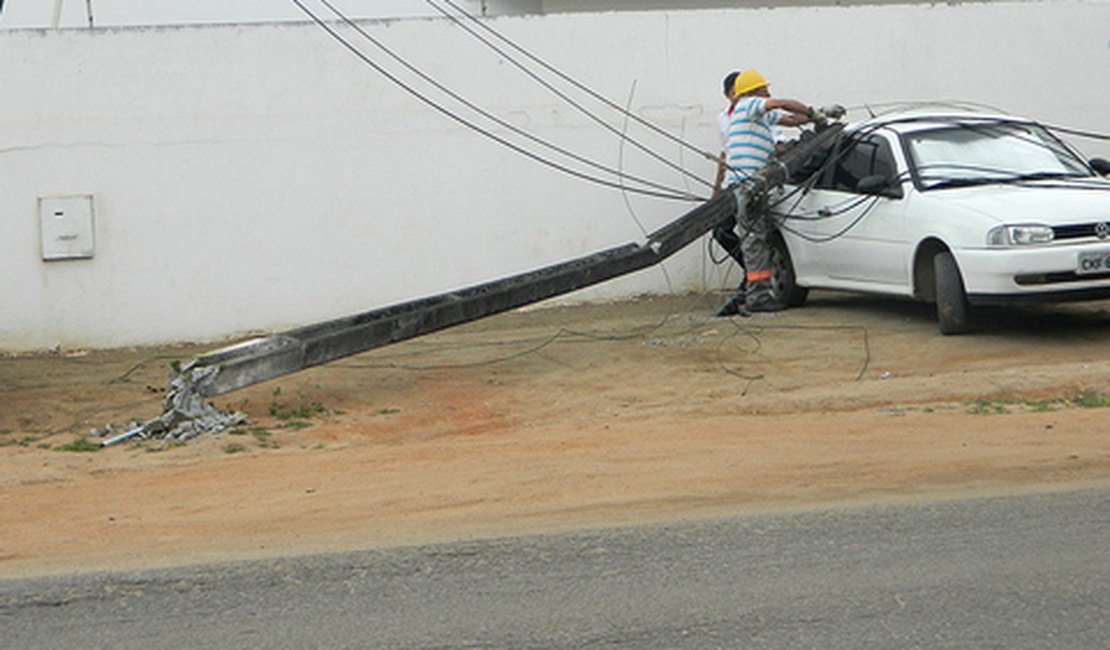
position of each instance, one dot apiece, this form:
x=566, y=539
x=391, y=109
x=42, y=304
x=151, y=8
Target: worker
x=723, y=119
x=748, y=148
x=724, y=233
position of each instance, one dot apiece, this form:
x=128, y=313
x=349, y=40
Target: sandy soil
x=555, y=419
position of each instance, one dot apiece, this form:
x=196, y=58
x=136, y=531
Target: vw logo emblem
x=1102, y=230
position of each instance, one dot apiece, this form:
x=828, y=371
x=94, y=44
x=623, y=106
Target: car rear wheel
x=952, y=307
x=783, y=283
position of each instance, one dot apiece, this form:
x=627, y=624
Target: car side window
x=858, y=159
x=814, y=164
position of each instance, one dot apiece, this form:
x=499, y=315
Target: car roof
x=917, y=117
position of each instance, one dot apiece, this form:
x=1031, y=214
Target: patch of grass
x=1092, y=399
x=252, y=431
x=262, y=436
x=234, y=449
x=305, y=410
x=1084, y=399
x=389, y=410
x=985, y=406
x=296, y=424
x=153, y=447
x=22, y=442
x=302, y=411
x=79, y=444
x=1045, y=405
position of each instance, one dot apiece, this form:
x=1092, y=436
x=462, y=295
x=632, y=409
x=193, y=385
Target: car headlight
x=1021, y=235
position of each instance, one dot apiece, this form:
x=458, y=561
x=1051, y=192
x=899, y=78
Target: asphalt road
x=1026, y=571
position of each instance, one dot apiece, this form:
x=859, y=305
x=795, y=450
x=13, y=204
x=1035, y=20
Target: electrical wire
x=620, y=165
x=866, y=337
x=961, y=122
x=837, y=153
x=484, y=113
x=625, y=111
x=357, y=52
x=455, y=366
x=620, y=174
x=601, y=98
x=673, y=195
x=751, y=379
x=754, y=332
x=838, y=234
x=957, y=104
x=1077, y=132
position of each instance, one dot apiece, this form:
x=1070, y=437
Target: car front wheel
x=952, y=307
x=783, y=283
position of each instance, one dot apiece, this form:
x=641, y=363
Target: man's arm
x=720, y=174
x=797, y=113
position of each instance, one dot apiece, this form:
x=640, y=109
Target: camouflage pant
x=755, y=229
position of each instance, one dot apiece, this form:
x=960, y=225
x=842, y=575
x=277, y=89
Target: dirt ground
x=554, y=419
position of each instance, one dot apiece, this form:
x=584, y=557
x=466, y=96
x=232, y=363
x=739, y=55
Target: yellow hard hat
x=748, y=81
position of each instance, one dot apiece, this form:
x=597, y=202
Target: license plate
x=1092, y=262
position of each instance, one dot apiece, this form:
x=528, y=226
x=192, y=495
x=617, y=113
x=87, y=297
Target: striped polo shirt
x=751, y=137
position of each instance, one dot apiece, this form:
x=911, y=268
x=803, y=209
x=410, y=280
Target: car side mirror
x=878, y=184
x=1100, y=165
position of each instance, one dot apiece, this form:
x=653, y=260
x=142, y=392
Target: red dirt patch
x=554, y=419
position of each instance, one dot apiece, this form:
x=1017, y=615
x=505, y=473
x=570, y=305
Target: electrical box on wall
x=66, y=226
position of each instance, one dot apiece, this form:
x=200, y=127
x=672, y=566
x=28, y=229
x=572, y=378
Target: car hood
x=1047, y=202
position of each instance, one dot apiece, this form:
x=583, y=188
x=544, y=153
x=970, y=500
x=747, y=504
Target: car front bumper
x=1046, y=273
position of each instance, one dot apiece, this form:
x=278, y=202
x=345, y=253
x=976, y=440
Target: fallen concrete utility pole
x=257, y=360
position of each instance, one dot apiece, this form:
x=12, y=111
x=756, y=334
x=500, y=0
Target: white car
x=957, y=209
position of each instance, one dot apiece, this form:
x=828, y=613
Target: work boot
x=767, y=304
x=734, y=305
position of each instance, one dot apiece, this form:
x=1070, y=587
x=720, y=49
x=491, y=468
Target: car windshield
x=976, y=153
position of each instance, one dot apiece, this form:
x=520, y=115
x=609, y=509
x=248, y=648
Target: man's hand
x=822, y=115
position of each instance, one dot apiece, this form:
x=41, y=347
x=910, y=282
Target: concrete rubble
x=185, y=413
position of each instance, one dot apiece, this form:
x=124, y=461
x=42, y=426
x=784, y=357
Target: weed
x=1086, y=399
x=234, y=449
x=984, y=406
x=1092, y=399
x=79, y=444
x=262, y=436
x=389, y=410
x=152, y=448
x=1045, y=405
x=305, y=410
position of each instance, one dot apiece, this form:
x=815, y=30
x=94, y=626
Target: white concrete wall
x=259, y=177
x=114, y=13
